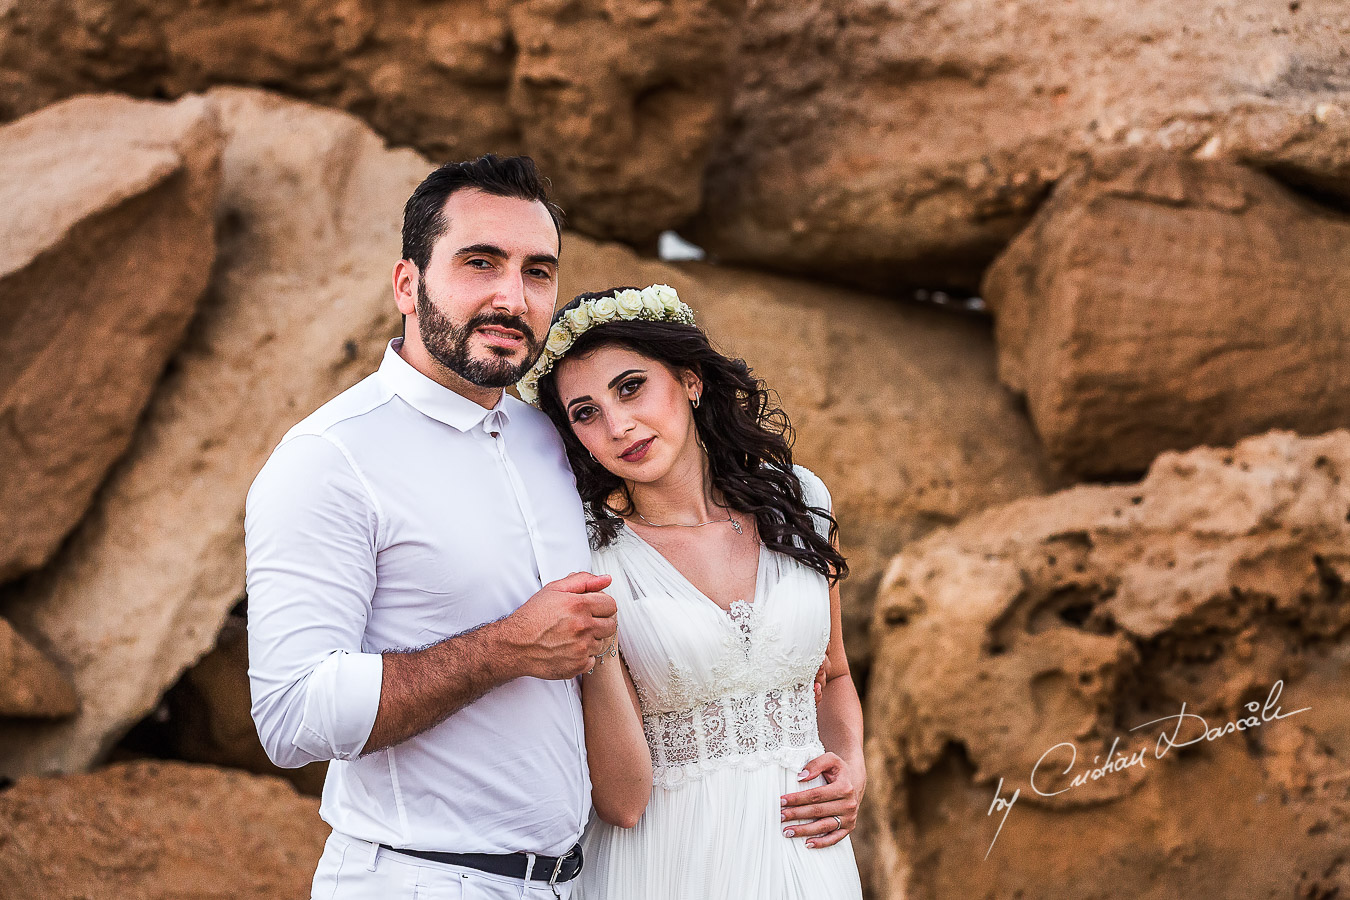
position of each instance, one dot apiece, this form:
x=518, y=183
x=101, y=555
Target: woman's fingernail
x=802, y=773
x=788, y=832
x=782, y=801
x=809, y=844
x=784, y=815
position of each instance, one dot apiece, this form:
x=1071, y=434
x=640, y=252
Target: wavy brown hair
x=748, y=439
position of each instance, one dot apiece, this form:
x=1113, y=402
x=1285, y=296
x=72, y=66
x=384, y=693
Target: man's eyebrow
x=546, y=258
x=485, y=249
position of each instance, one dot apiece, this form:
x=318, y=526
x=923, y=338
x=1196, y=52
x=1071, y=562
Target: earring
x=695, y=401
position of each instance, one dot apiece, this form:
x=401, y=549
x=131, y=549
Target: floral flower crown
x=658, y=303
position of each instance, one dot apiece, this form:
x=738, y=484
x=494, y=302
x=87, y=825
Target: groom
x=417, y=597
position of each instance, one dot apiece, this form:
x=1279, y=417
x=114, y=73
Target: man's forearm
x=419, y=689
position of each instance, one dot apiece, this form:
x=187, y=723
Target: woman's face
x=631, y=412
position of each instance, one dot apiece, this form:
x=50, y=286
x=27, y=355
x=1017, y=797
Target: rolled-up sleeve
x=311, y=531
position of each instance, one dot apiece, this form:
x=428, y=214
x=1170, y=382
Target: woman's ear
x=693, y=384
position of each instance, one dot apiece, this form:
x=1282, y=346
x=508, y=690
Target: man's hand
x=559, y=631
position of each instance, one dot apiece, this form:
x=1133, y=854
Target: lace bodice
x=721, y=687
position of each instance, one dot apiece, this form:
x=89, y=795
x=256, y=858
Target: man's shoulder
x=361, y=399
x=534, y=420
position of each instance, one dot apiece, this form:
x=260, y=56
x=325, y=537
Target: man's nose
x=510, y=295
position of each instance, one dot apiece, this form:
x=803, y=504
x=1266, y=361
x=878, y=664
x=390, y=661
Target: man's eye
x=543, y=274
x=479, y=263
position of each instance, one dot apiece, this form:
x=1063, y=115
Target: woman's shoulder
x=814, y=491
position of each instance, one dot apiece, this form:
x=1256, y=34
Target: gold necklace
x=734, y=524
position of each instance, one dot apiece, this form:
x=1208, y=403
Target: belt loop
x=529, y=865
x=374, y=856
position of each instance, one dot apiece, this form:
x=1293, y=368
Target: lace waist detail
x=777, y=726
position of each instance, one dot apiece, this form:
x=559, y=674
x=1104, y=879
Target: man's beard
x=448, y=344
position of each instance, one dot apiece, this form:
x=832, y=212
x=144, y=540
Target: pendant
x=737, y=525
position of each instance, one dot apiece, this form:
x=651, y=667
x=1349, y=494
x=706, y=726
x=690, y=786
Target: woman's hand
x=811, y=813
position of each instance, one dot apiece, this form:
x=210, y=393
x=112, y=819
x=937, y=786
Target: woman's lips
x=637, y=451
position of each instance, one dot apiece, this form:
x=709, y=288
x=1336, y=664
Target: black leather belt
x=553, y=869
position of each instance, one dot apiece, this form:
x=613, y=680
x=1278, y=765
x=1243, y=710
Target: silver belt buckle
x=557, y=870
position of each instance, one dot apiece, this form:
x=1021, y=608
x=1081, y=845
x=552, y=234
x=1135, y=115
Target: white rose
x=670, y=300
x=528, y=390
x=652, y=304
x=604, y=310
x=578, y=319
x=629, y=303
x=559, y=339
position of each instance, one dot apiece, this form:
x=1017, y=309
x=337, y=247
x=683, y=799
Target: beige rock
x=29, y=684
x=1157, y=303
x=106, y=245
x=909, y=142
x=619, y=100
x=1050, y=628
x=895, y=406
x=210, y=719
x=300, y=308
x=158, y=831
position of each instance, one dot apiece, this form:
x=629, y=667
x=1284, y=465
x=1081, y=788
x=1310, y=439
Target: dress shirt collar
x=436, y=400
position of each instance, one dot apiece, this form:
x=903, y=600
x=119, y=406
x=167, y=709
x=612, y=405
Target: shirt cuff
x=342, y=697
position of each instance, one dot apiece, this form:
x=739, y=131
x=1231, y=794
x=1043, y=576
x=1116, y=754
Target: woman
x=710, y=775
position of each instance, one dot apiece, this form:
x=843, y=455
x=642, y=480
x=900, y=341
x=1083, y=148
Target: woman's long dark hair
x=748, y=440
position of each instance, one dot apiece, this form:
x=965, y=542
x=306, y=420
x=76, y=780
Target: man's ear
x=406, y=278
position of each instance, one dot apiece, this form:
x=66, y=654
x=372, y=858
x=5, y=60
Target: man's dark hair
x=502, y=176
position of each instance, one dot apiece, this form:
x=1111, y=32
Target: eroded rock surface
x=620, y=101
x=1055, y=627
x=1157, y=303
x=158, y=831
x=30, y=686
x=909, y=142
x=300, y=308
x=106, y=245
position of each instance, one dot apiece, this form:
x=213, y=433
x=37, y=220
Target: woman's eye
x=582, y=414
x=630, y=387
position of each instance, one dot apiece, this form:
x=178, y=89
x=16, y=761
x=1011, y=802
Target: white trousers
x=352, y=869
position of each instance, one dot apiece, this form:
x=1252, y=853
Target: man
x=418, y=605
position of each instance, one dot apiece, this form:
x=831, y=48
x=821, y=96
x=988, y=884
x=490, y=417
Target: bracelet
x=611, y=650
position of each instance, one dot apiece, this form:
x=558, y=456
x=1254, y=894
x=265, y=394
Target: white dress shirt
x=397, y=515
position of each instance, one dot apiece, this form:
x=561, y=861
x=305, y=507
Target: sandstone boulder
x=106, y=245
x=1058, y=636
x=30, y=686
x=158, y=831
x=300, y=308
x=895, y=407
x=619, y=101
x=909, y=142
x=1158, y=302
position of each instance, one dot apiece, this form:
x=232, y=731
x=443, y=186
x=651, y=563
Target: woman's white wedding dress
x=729, y=711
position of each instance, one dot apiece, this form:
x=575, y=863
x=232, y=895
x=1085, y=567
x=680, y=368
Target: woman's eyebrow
x=623, y=375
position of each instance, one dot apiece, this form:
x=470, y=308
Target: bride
x=715, y=773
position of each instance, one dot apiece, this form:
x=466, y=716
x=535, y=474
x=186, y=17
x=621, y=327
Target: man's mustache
x=503, y=320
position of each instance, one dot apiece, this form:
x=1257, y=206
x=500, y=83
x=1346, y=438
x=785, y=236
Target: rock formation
x=895, y=406
x=30, y=686
x=1042, y=637
x=300, y=308
x=106, y=246
x=884, y=143
x=619, y=101
x=1158, y=302
x=158, y=831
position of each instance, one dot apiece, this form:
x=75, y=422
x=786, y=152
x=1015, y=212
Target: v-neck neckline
x=755, y=598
